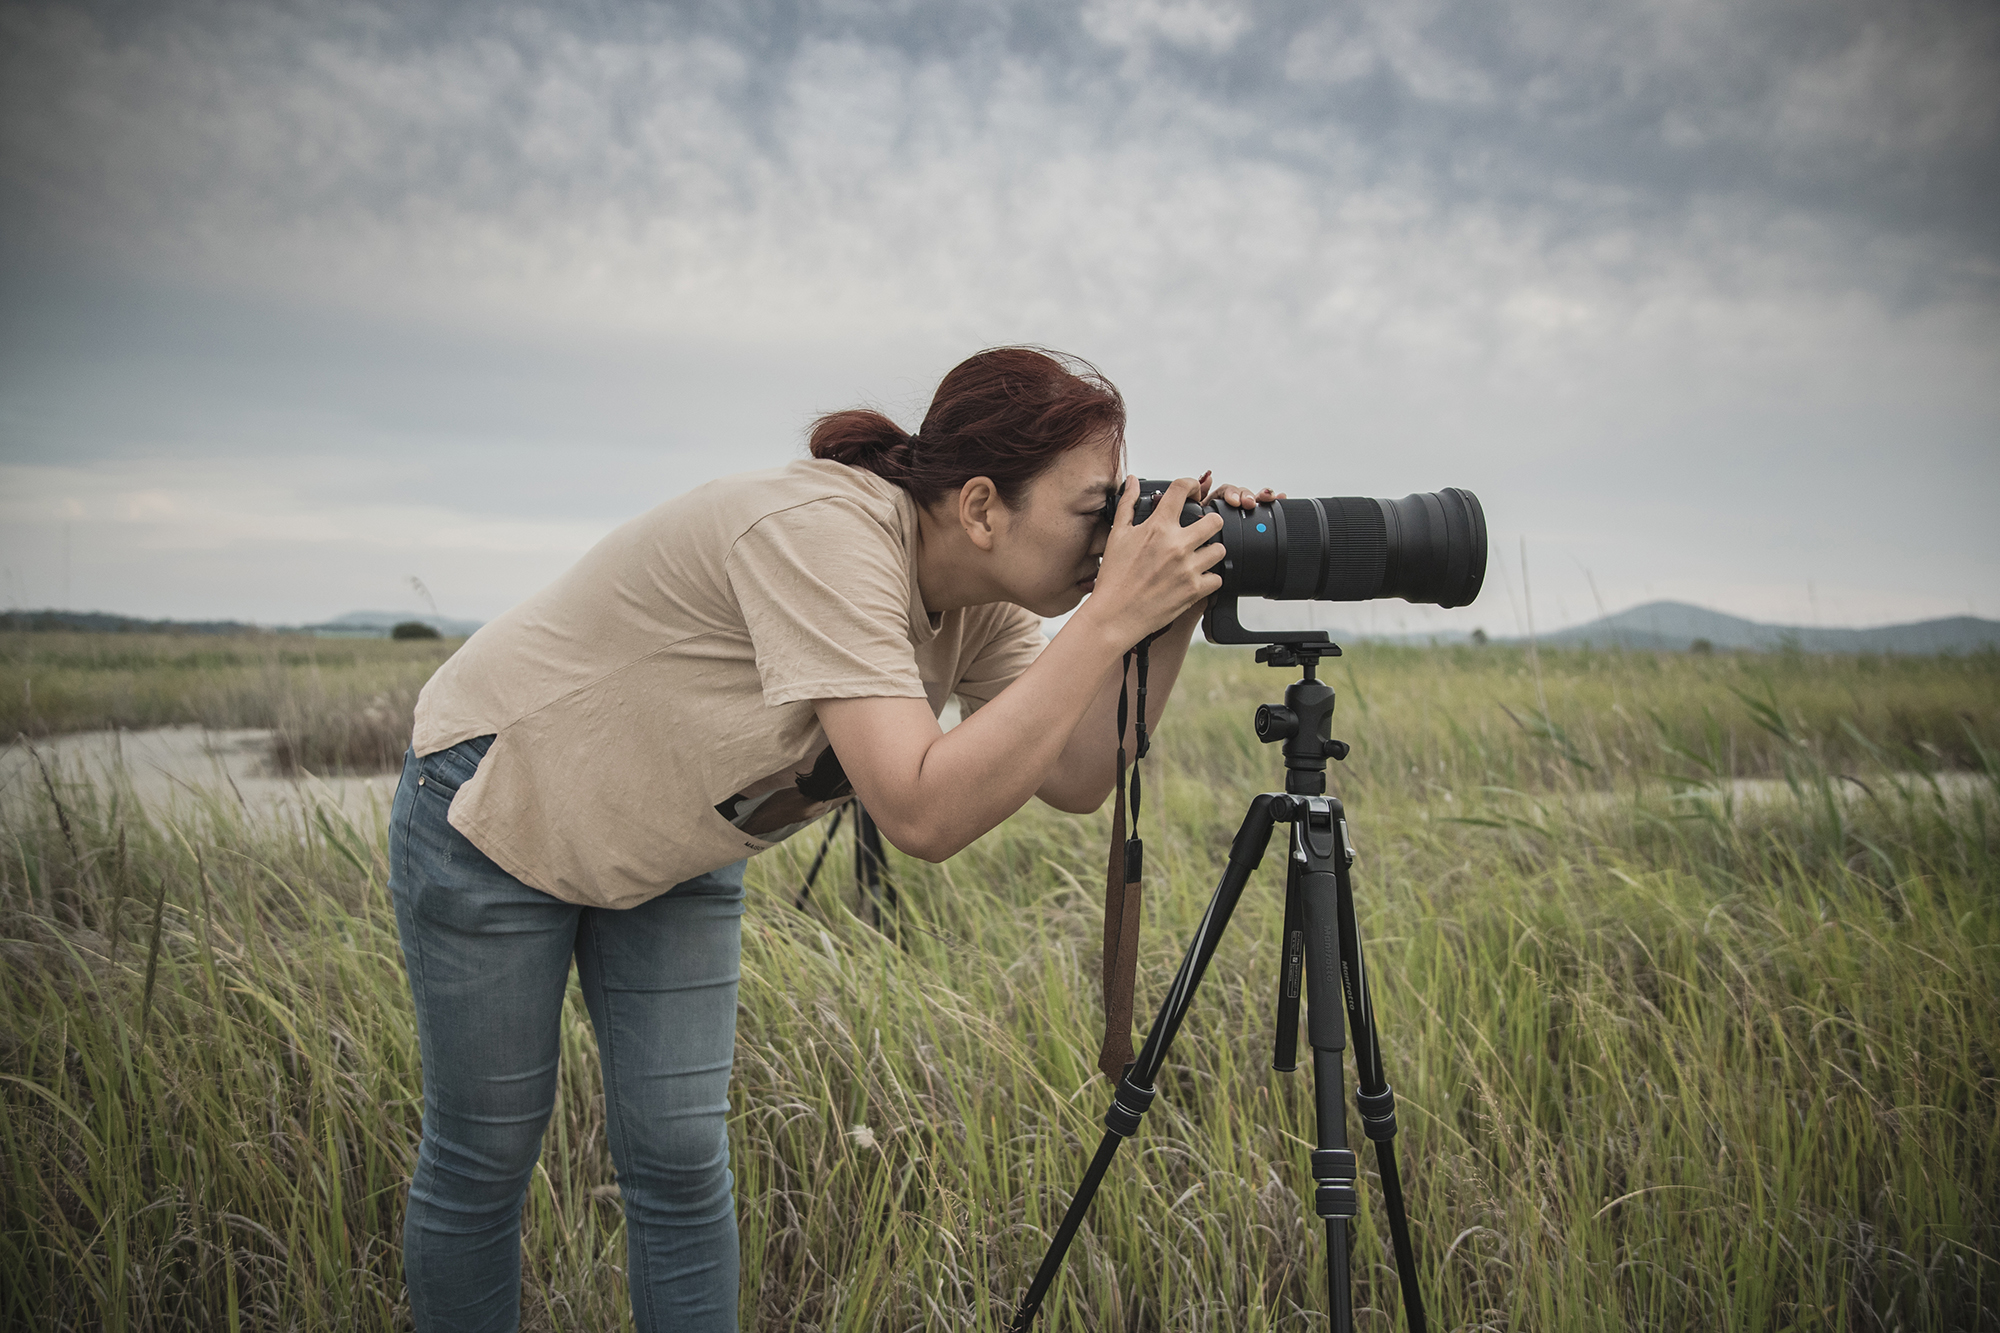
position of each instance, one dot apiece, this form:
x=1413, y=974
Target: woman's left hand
x=1242, y=497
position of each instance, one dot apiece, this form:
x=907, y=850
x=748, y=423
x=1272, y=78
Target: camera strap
x=1122, y=891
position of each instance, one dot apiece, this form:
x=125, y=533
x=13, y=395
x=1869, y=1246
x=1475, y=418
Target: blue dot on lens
x=1260, y=527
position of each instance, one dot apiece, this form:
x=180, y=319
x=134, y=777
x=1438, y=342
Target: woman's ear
x=978, y=511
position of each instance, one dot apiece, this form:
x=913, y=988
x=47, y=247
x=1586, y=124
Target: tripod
x=875, y=891
x=1321, y=946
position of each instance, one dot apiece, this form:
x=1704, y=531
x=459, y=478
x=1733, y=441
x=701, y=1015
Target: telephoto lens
x=1429, y=547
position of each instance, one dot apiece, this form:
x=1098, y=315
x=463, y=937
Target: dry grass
x=335, y=706
x=1669, y=1057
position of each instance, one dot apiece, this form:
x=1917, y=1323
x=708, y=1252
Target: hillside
x=359, y=624
x=1675, y=626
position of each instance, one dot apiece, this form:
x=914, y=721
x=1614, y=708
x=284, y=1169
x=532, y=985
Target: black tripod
x=875, y=891
x=1323, y=945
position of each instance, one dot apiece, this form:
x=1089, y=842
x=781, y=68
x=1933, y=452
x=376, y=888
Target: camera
x=1429, y=547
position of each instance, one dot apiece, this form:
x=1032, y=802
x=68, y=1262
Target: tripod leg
x=1291, y=976
x=1135, y=1090
x=874, y=890
x=805, y=889
x=1335, y=1198
x=1374, y=1097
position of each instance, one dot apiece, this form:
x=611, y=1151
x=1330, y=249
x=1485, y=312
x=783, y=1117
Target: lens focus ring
x=1357, y=549
x=1305, y=535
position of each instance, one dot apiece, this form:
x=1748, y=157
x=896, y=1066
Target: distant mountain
x=364, y=623
x=359, y=624
x=103, y=622
x=1675, y=626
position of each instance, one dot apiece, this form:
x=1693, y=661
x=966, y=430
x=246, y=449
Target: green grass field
x=336, y=705
x=1688, y=973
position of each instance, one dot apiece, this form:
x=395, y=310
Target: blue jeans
x=489, y=962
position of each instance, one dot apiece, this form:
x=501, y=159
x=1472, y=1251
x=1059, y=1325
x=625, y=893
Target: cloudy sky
x=1702, y=297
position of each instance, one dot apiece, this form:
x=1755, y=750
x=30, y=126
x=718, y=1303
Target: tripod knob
x=1275, y=722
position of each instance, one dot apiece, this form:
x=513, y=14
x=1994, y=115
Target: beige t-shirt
x=674, y=668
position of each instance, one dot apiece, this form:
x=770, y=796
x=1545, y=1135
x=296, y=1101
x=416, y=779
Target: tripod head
x=1304, y=721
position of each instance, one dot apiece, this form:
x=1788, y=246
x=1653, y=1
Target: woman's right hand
x=1154, y=571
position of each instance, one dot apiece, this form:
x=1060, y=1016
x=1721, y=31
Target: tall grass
x=1674, y=1049
x=333, y=705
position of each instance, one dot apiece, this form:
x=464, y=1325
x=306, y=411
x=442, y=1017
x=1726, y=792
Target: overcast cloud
x=1703, y=299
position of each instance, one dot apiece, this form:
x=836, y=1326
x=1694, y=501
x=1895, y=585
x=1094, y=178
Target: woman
x=590, y=770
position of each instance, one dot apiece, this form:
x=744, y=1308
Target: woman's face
x=1047, y=549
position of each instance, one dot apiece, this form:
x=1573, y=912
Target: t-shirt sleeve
x=825, y=593
x=1014, y=640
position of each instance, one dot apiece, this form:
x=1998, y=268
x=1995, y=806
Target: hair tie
x=913, y=441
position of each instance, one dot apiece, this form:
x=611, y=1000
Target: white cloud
x=281, y=539
x=1196, y=24
x=621, y=185
x=166, y=505
x=1338, y=49
x=1463, y=280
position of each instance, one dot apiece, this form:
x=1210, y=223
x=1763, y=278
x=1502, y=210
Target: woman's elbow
x=937, y=853
x=923, y=840
x=1086, y=800
x=933, y=839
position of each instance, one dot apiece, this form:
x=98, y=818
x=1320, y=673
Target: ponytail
x=867, y=440
x=1006, y=414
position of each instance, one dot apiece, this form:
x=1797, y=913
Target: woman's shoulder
x=810, y=491
x=803, y=481
x=804, y=513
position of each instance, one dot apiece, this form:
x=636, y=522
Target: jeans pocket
x=445, y=771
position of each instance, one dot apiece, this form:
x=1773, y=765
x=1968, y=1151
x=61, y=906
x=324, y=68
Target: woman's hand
x=1155, y=571
x=1239, y=496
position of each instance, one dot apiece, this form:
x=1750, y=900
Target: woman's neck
x=950, y=568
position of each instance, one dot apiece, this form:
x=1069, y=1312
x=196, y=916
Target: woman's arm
x=933, y=792
x=1084, y=775
x=1088, y=767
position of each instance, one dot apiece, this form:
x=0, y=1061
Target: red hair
x=1005, y=414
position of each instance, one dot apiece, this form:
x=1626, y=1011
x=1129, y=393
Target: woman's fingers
x=1197, y=532
x=1155, y=570
x=1128, y=496
x=1168, y=511
x=1242, y=497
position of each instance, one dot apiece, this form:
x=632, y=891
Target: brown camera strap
x=1123, y=895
